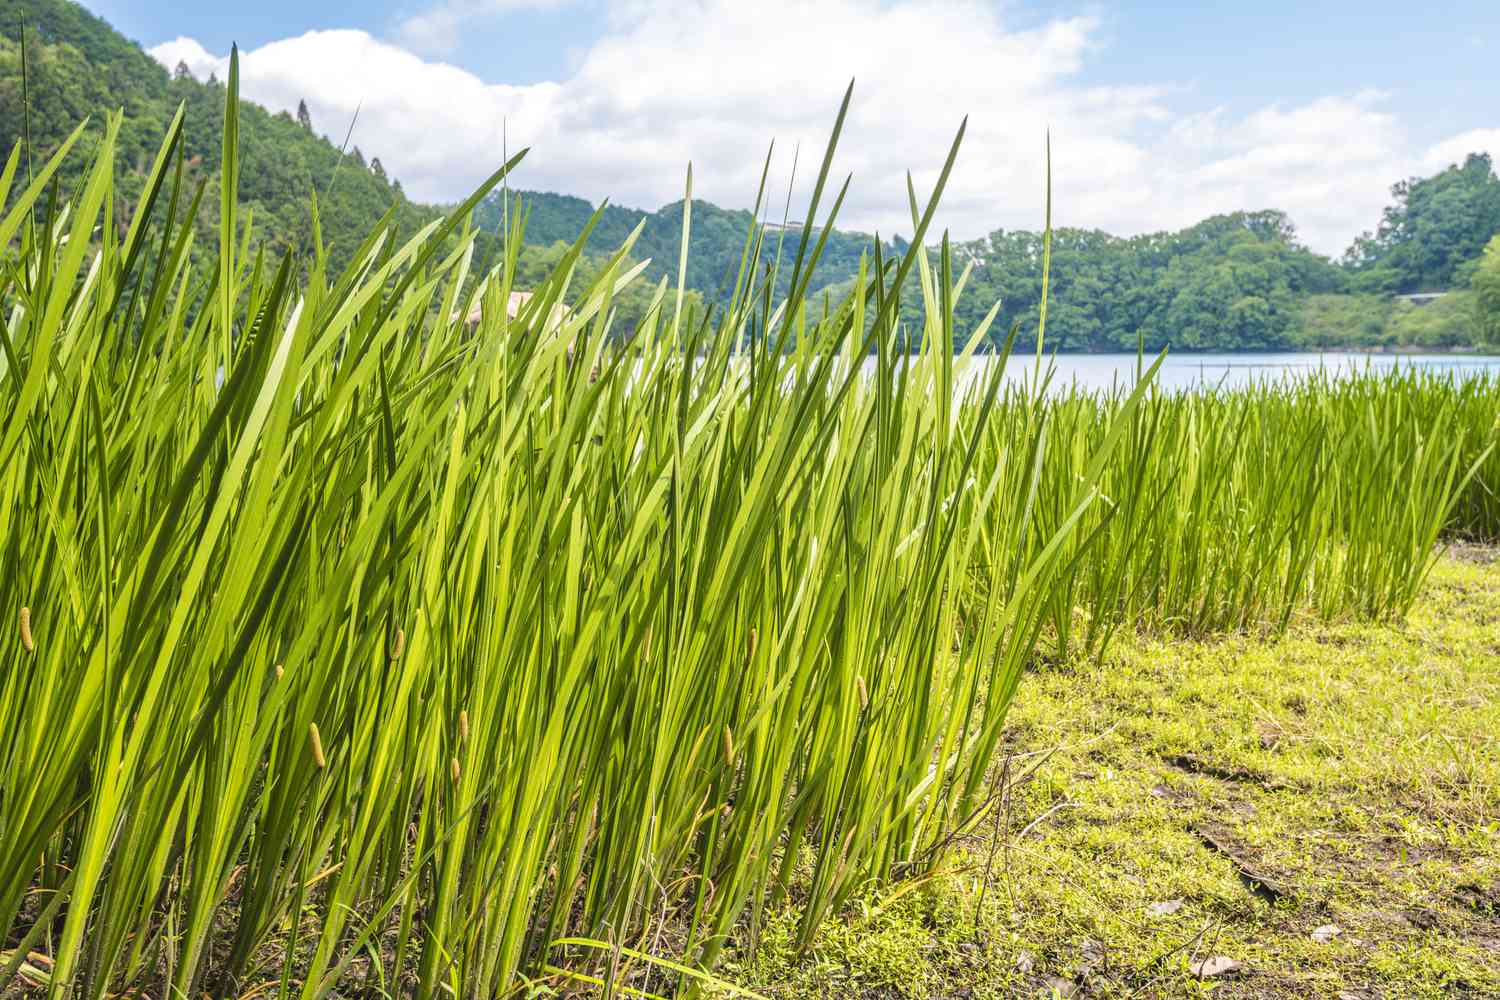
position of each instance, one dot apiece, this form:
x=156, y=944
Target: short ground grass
x=1322, y=808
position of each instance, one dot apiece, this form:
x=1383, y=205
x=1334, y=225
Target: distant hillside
x=1239, y=281
x=79, y=66
x=715, y=245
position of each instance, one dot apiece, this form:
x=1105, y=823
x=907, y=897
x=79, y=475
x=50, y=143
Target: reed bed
x=359, y=650
x=1230, y=509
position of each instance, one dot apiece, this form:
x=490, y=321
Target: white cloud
x=183, y=51
x=439, y=29
x=1457, y=149
x=713, y=81
x=1328, y=163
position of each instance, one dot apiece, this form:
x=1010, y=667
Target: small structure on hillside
x=1419, y=298
x=791, y=226
x=513, y=308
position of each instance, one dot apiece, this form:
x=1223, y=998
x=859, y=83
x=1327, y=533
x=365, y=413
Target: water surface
x=1192, y=371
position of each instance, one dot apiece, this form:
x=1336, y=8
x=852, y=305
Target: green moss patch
x=1321, y=808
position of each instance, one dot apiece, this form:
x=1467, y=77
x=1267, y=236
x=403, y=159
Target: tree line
x=1240, y=281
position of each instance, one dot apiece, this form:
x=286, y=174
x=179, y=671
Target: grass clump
x=1232, y=508
x=367, y=651
x=372, y=649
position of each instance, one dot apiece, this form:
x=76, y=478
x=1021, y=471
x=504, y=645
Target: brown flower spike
x=317, y=745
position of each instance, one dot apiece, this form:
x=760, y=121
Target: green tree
x=1231, y=282
x=1486, y=285
x=1435, y=225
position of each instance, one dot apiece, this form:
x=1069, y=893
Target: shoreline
x=1393, y=351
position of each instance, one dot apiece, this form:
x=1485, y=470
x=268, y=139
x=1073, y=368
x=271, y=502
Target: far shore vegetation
x=376, y=627
x=1235, y=282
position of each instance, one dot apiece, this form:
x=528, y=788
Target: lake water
x=1192, y=371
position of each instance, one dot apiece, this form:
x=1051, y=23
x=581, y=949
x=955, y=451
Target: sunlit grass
x=361, y=649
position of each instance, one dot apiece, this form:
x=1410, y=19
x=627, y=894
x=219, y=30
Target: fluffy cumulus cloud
x=438, y=29
x=187, y=52
x=1457, y=149
x=713, y=81
x=1328, y=163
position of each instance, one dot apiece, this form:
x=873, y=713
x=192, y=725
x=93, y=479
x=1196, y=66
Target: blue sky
x=1443, y=64
x=488, y=46
x=1440, y=62
x=1160, y=111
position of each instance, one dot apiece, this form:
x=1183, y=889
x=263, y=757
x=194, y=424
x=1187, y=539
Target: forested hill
x=78, y=66
x=1234, y=282
x=1431, y=236
x=716, y=241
